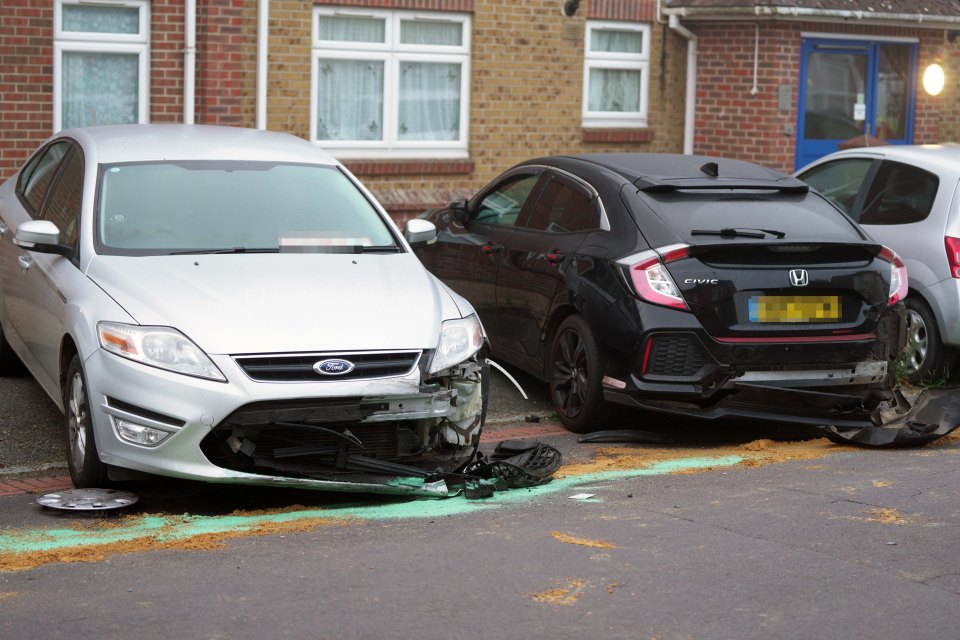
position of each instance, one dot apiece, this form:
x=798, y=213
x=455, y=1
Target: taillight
x=651, y=280
x=953, y=255
x=898, y=276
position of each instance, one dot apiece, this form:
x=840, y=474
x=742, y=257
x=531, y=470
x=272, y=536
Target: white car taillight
x=898, y=276
x=650, y=279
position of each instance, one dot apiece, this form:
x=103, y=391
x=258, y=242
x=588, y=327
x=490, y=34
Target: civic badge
x=799, y=277
x=333, y=367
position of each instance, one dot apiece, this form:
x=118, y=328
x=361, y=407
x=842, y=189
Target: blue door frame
x=809, y=149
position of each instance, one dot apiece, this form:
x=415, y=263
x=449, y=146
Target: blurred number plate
x=794, y=308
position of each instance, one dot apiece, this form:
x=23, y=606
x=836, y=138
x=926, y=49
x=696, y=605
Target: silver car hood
x=275, y=303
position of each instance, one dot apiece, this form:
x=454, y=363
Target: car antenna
x=711, y=169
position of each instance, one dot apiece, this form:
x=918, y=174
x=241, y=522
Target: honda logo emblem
x=799, y=277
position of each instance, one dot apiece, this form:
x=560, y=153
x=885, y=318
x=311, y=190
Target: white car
x=231, y=305
x=906, y=197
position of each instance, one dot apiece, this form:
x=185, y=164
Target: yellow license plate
x=794, y=308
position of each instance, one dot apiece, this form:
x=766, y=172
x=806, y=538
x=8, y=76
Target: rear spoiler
x=785, y=185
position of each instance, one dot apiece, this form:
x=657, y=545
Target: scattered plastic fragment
x=582, y=496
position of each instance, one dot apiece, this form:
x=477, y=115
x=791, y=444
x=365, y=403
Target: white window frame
x=613, y=60
x=88, y=41
x=392, y=53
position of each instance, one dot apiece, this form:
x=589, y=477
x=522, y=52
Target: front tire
x=9, y=361
x=925, y=359
x=575, y=373
x=86, y=469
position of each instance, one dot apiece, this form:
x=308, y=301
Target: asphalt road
x=725, y=534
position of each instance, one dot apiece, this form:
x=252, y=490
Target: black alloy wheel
x=575, y=372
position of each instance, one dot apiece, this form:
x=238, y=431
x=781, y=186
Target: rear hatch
x=770, y=262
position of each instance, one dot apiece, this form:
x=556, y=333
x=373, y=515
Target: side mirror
x=41, y=236
x=458, y=209
x=420, y=233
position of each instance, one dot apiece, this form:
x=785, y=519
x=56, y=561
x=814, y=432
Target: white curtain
x=94, y=19
x=429, y=101
x=343, y=29
x=607, y=41
x=350, y=99
x=434, y=33
x=100, y=88
x=614, y=90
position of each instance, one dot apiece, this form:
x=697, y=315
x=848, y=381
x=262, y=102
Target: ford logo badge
x=333, y=367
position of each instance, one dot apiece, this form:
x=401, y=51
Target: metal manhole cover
x=87, y=499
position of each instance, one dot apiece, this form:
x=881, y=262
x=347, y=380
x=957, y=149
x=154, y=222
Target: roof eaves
x=810, y=14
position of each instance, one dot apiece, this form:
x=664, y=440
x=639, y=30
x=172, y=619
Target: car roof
x=151, y=142
x=944, y=156
x=672, y=166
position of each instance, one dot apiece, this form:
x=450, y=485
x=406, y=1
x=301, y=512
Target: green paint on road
x=175, y=527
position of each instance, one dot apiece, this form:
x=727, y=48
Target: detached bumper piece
x=934, y=414
x=387, y=444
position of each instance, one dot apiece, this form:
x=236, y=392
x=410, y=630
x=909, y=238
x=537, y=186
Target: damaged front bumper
x=396, y=435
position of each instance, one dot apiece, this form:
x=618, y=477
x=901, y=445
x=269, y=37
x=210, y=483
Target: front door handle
x=26, y=262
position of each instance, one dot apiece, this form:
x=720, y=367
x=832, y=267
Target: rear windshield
x=799, y=217
x=178, y=207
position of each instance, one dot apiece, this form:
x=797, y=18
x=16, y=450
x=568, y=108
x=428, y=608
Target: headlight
x=160, y=347
x=459, y=339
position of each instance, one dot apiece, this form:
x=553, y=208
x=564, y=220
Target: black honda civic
x=683, y=284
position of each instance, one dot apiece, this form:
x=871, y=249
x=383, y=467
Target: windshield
x=203, y=206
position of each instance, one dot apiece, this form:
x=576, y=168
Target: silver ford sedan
x=231, y=305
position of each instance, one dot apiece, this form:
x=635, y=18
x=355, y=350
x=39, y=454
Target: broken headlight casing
x=459, y=339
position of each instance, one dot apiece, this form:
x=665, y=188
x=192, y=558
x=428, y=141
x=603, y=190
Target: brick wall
x=166, y=61
x=526, y=94
x=26, y=76
x=226, y=62
x=733, y=123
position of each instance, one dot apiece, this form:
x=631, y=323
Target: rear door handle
x=555, y=257
x=25, y=262
x=491, y=248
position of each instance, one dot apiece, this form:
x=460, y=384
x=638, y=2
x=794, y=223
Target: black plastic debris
x=515, y=464
x=934, y=414
x=626, y=435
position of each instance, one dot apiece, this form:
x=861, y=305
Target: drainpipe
x=263, y=35
x=189, y=60
x=689, y=110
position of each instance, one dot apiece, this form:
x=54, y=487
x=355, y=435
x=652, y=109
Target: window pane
x=836, y=84
x=350, y=100
x=563, y=209
x=94, y=19
x=893, y=90
x=616, y=41
x=161, y=207
x=900, y=194
x=100, y=88
x=504, y=205
x=436, y=33
x=839, y=181
x=429, y=101
x=352, y=29
x=614, y=90
x=64, y=207
x=39, y=181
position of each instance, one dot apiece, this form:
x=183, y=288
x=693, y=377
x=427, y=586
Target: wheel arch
x=559, y=314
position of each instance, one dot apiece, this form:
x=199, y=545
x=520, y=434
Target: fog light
x=139, y=434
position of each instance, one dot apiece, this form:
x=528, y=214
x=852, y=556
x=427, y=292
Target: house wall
x=731, y=122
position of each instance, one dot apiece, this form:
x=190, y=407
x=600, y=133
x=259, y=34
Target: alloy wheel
x=915, y=351
x=570, y=373
x=77, y=421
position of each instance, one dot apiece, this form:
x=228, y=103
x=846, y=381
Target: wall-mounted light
x=570, y=8
x=933, y=79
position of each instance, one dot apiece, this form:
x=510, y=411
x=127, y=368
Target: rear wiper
x=188, y=252
x=739, y=233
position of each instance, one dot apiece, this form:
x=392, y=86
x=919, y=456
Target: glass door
x=851, y=89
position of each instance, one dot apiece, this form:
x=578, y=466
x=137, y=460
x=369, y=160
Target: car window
x=167, y=207
x=900, y=194
x=504, y=204
x=63, y=206
x=839, y=181
x=35, y=186
x=564, y=208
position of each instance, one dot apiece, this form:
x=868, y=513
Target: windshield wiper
x=188, y=252
x=383, y=248
x=747, y=232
